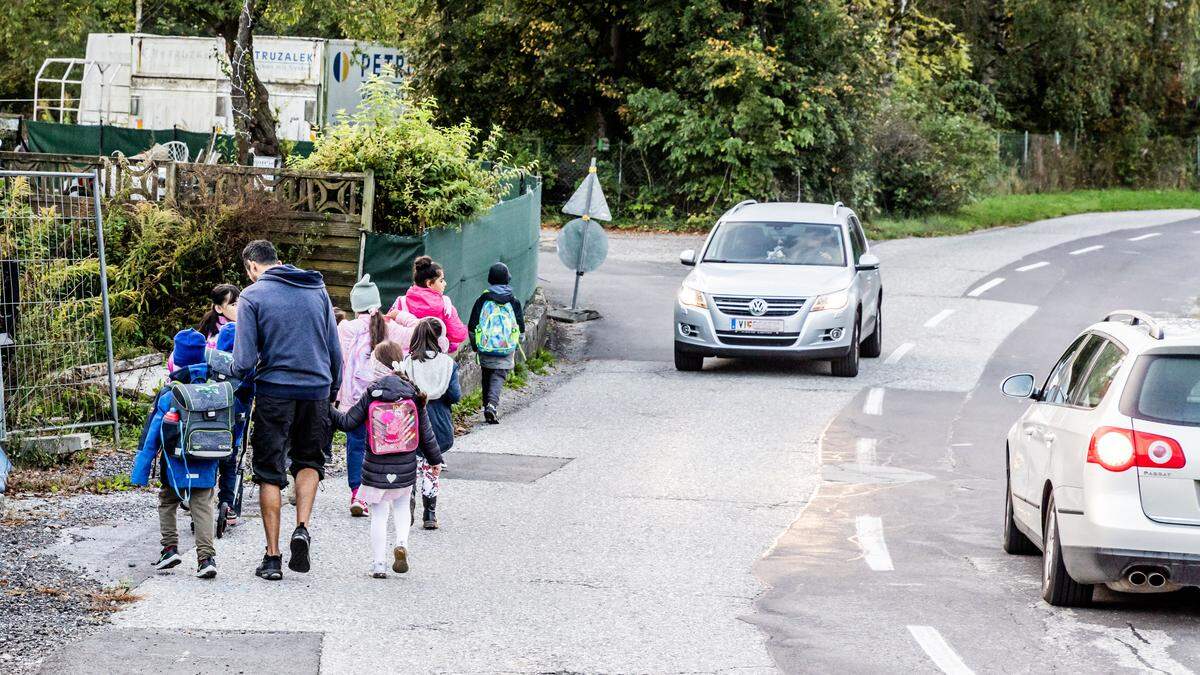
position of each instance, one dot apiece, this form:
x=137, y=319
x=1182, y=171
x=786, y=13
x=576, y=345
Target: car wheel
x=873, y=347
x=686, y=361
x=1058, y=588
x=847, y=366
x=1015, y=541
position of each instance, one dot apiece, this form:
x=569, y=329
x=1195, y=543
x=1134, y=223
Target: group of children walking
x=399, y=381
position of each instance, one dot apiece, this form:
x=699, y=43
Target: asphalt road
x=637, y=519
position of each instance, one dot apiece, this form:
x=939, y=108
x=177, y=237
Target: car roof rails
x=741, y=204
x=1137, y=318
x=836, y=206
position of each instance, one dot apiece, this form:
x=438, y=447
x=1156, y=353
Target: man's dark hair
x=260, y=251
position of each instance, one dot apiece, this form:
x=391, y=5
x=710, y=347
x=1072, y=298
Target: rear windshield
x=777, y=243
x=1169, y=389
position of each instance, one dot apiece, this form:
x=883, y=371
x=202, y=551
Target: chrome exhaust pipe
x=1156, y=579
x=1137, y=578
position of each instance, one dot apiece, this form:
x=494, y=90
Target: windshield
x=1170, y=389
x=777, y=244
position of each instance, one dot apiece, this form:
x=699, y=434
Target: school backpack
x=206, y=419
x=497, y=332
x=392, y=427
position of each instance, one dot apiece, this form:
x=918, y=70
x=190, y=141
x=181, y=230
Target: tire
x=873, y=347
x=1058, y=588
x=686, y=361
x=1015, y=541
x=847, y=366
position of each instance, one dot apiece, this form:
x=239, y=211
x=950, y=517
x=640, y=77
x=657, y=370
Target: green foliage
x=467, y=407
x=426, y=176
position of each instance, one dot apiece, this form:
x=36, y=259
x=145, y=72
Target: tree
x=252, y=116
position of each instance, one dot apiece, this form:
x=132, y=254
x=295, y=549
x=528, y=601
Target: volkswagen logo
x=758, y=307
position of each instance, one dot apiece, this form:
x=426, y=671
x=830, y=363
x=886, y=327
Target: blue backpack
x=497, y=333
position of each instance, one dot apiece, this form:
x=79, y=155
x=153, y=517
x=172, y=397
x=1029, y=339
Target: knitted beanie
x=189, y=348
x=364, y=297
x=499, y=274
x=226, y=336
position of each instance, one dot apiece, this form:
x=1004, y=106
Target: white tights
x=379, y=524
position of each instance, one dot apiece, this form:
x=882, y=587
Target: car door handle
x=1048, y=438
x=1030, y=432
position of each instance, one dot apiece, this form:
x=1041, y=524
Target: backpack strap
x=403, y=303
x=447, y=305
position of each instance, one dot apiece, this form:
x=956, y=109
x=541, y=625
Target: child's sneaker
x=358, y=508
x=168, y=559
x=489, y=414
x=401, y=564
x=207, y=569
x=379, y=570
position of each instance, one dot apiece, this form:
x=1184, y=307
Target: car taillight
x=1118, y=449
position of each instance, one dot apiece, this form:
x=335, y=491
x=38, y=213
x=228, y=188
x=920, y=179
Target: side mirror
x=1019, y=386
x=688, y=258
x=867, y=262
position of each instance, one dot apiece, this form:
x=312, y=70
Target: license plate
x=756, y=325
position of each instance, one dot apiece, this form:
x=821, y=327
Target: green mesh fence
x=508, y=233
x=88, y=139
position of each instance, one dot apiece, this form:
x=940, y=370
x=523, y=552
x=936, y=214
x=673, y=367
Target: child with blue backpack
x=188, y=453
x=495, y=328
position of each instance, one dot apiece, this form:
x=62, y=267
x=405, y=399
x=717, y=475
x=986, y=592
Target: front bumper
x=805, y=334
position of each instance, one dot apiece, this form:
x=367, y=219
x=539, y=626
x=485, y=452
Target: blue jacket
x=179, y=472
x=286, y=330
x=440, y=415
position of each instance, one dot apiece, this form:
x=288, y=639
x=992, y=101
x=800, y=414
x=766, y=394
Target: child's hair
x=425, y=270
x=387, y=353
x=338, y=315
x=378, y=330
x=221, y=294
x=425, y=339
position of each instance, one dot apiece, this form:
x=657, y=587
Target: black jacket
x=498, y=298
x=400, y=468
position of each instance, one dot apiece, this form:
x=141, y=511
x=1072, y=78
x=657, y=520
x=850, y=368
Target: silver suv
x=781, y=279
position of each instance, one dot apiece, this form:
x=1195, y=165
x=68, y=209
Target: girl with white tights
x=390, y=465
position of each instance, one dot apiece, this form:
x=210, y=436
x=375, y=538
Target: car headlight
x=831, y=301
x=691, y=297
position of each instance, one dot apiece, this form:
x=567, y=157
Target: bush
x=930, y=160
x=426, y=176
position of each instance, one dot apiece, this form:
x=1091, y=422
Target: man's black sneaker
x=207, y=569
x=300, y=542
x=489, y=414
x=271, y=568
x=168, y=559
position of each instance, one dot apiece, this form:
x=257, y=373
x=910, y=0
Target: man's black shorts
x=286, y=429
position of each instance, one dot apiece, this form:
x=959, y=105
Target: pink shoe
x=358, y=508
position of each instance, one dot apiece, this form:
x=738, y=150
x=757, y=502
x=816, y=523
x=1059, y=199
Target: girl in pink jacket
x=425, y=298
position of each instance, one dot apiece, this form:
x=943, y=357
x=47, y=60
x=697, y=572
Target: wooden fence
x=327, y=212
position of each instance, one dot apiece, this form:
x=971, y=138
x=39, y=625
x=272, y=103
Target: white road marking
x=939, y=651
x=1034, y=266
x=870, y=539
x=986, y=287
x=1146, y=236
x=1089, y=249
x=899, y=353
x=938, y=318
x=864, y=451
x=874, y=403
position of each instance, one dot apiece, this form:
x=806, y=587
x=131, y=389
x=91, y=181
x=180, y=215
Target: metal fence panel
x=56, y=362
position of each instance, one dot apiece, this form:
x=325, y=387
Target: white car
x=1104, y=467
x=781, y=279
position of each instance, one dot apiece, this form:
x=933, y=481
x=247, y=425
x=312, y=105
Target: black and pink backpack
x=392, y=427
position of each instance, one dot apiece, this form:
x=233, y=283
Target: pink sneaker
x=358, y=508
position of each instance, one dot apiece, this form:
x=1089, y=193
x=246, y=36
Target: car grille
x=765, y=340
x=734, y=306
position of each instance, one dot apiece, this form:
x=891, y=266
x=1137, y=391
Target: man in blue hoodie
x=287, y=337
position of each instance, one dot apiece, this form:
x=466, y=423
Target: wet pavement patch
x=191, y=651
x=501, y=468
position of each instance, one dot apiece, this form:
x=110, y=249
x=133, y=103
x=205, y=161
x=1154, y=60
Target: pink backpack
x=392, y=427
